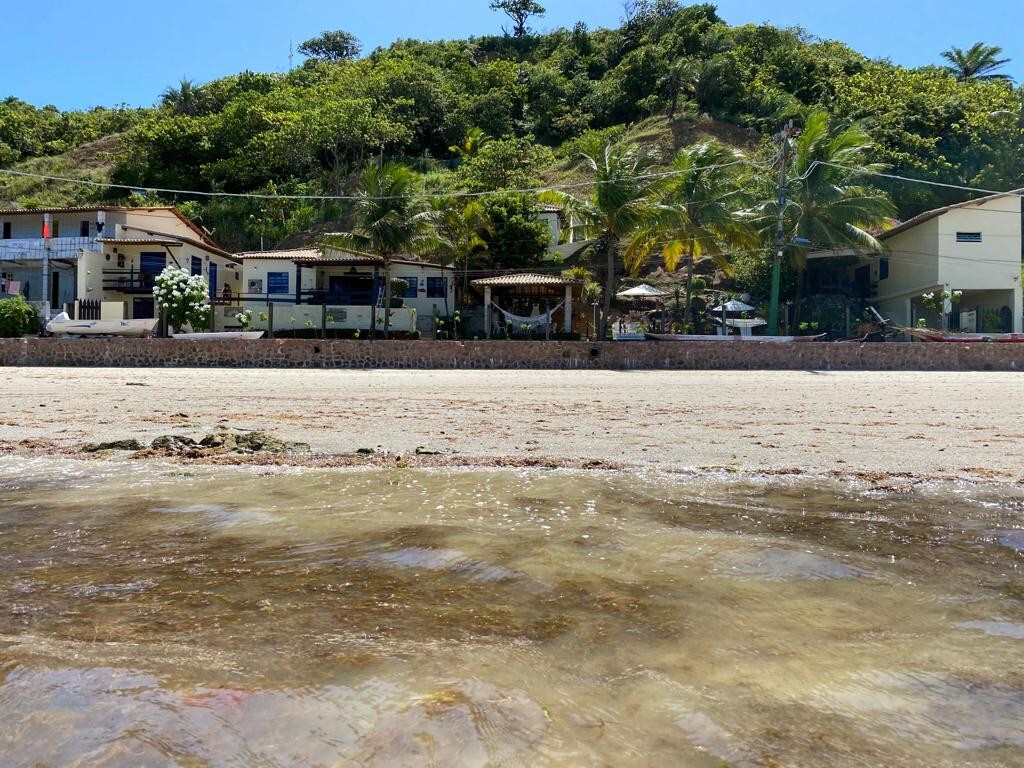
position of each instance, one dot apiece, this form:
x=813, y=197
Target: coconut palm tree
x=697, y=213
x=979, y=62
x=618, y=204
x=185, y=99
x=475, y=140
x=828, y=205
x=390, y=222
x=463, y=228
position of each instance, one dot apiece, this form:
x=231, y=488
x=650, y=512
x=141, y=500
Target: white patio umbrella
x=643, y=292
x=733, y=306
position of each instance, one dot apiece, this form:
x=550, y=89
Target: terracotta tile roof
x=549, y=208
x=332, y=256
x=288, y=255
x=140, y=241
x=522, y=279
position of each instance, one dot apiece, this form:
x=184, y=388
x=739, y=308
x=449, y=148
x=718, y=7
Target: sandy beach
x=956, y=425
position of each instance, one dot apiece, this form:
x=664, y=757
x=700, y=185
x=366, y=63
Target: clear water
x=160, y=616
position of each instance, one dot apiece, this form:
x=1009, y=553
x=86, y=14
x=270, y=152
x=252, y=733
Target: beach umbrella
x=643, y=292
x=733, y=306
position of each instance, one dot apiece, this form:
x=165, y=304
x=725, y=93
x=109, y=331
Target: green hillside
x=668, y=77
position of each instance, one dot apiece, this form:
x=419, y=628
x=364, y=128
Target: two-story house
x=968, y=256
x=111, y=254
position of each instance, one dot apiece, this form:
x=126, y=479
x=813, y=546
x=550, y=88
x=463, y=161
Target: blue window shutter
x=277, y=282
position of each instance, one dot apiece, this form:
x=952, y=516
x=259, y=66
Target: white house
x=972, y=252
x=300, y=283
x=103, y=254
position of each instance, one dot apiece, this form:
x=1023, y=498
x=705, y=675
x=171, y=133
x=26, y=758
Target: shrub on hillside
x=17, y=318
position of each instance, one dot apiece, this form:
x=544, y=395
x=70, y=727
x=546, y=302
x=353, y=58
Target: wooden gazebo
x=554, y=290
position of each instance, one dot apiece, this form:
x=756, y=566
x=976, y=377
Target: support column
x=47, y=246
x=947, y=306
x=298, y=284
x=567, y=325
x=1018, y=307
x=487, y=309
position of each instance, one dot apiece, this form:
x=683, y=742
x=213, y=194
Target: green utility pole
x=780, y=234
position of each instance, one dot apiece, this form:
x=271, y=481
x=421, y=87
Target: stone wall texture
x=303, y=353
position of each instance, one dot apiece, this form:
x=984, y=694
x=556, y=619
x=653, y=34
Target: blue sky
x=77, y=55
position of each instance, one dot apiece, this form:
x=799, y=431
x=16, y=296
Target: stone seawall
x=302, y=353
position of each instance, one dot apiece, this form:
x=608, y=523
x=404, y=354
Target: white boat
x=63, y=325
x=220, y=336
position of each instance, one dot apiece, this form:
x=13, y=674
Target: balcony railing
x=16, y=249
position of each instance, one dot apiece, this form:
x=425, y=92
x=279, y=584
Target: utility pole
x=780, y=234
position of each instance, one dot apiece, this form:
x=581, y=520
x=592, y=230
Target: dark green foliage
x=517, y=238
x=333, y=46
x=17, y=318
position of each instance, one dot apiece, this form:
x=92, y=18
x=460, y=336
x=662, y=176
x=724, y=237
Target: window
x=197, y=265
x=277, y=282
x=883, y=269
x=83, y=229
x=968, y=237
x=7, y=230
x=437, y=287
x=56, y=229
x=411, y=290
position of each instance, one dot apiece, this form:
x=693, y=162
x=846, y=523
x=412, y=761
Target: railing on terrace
x=66, y=248
x=128, y=280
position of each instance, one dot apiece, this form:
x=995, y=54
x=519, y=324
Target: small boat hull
x=927, y=334
x=220, y=336
x=759, y=339
x=62, y=325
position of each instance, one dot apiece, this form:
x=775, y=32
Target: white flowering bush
x=936, y=300
x=244, y=319
x=184, y=298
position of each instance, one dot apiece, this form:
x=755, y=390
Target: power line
x=896, y=177
x=420, y=196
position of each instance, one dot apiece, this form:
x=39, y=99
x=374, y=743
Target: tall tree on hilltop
x=696, y=214
x=390, y=222
x=618, y=205
x=979, y=62
x=520, y=12
x=338, y=45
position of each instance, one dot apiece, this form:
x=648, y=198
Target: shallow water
x=155, y=615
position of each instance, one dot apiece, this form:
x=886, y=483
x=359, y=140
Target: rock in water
x=173, y=444
x=114, y=445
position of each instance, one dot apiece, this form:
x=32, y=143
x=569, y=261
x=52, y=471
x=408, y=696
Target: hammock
x=518, y=321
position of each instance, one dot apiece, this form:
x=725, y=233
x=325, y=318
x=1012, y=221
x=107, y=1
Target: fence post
x=270, y=319
x=323, y=322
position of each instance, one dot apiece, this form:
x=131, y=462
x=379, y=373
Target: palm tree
x=389, y=221
x=619, y=203
x=979, y=62
x=828, y=206
x=475, y=140
x=697, y=213
x=186, y=99
x=463, y=227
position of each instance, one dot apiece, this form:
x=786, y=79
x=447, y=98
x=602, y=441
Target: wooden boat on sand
x=760, y=339
x=219, y=336
x=928, y=334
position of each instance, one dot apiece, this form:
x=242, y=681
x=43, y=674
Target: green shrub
x=17, y=317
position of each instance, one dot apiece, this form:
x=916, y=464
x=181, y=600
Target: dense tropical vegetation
x=670, y=90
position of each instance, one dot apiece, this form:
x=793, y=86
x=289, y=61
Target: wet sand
x=948, y=425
